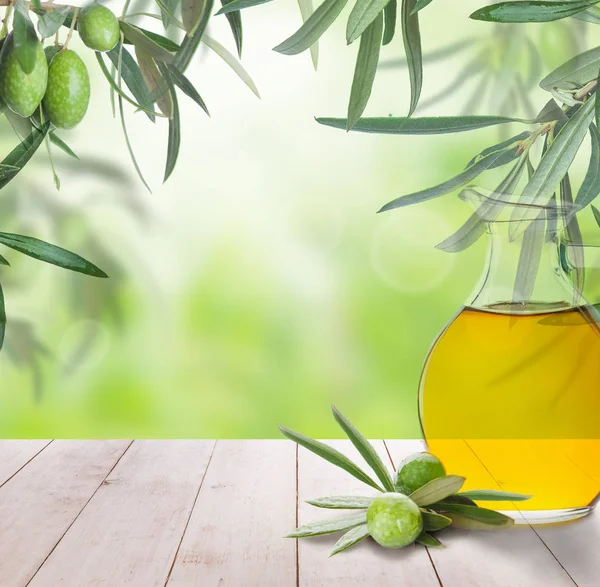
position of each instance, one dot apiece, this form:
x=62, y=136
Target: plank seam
x=555, y=557
x=29, y=461
x=187, y=523
x=80, y=511
x=387, y=450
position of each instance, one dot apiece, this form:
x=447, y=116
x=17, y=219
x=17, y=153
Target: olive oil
x=512, y=401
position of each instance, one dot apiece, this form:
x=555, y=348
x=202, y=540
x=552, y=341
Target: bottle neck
x=523, y=275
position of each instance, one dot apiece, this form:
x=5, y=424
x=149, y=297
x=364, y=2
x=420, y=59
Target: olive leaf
x=412, y=46
x=577, y=71
x=555, y=163
x=482, y=515
x=323, y=527
x=574, y=235
x=437, y=490
x=343, y=502
x=25, y=40
x=191, y=43
x=192, y=13
x=366, y=69
x=310, y=32
x=184, y=84
x=167, y=9
x=2, y=318
x=420, y=4
x=351, y=538
x=237, y=67
x=145, y=43
x=236, y=5
x=331, y=455
x=365, y=448
x=56, y=140
x=43, y=251
x=596, y=213
x=590, y=188
x=160, y=40
x=432, y=521
x=529, y=259
x=306, y=11
x=4, y=262
x=467, y=523
x=156, y=82
x=507, y=144
x=50, y=22
x=428, y=540
x=531, y=11
x=174, y=135
x=362, y=15
x=234, y=19
x=389, y=18
x=493, y=495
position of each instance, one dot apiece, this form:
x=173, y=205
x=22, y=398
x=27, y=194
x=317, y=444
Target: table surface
x=112, y=513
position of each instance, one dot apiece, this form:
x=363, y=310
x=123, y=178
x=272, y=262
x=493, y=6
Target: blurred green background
x=258, y=286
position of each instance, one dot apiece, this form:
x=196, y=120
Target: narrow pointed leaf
x=432, y=522
x=2, y=318
x=389, y=18
x=237, y=67
x=467, y=523
x=4, y=262
x=362, y=15
x=310, y=32
x=192, y=12
x=420, y=4
x=237, y=5
x=343, y=502
x=190, y=44
x=412, y=45
x=365, y=71
x=531, y=11
x=24, y=38
x=574, y=236
x=507, y=144
x=365, y=448
x=167, y=8
x=489, y=162
x=56, y=140
x=306, y=10
x=234, y=19
x=145, y=44
x=174, y=135
x=493, y=495
x=184, y=84
x=158, y=86
x=50, y=22
x=483, y=515
x=551, y=112
x=529, y=259
x=48, y=253
x=576, y=72
x=351, y=538
x=437, y=490
x=331, y=455
x=596, y=213
x=329, y=526
x=590, y=188
x=160, y=40
x=428, y=540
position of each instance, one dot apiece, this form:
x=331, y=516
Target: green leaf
x=56, y=140
x=191, y=43
x=192, y=13
x=330, y=454
x=596, y=213
x=590, y=188
x=351, y=538
x=235, y=23
x=306, y=10
x=598, y=105
x=529, y=259
x=25, y=40
x=21, y=125
x=531, y=11
x=428, y=540
x=467, y=523
x=329, y=526
x=145, y=43
x=160, y=40
x=420, y=4
x=576, y=72
x=432, y=522
x=554, y=164
x=132, y=76
x=574, y=235
x=310, y=32
x=3, y=261
x=43, y=251
x=365, y=71
x=412, y=46
x=482, y=515
x=156, y=83
x=167, y=9
x=2, y=318
x=240, y=5
x=437, y=490
x=237, y=67
x=489, y=162
x=507, y=144
x=492, y=495
x=174, y=126
x=50, y=22
x=21, y=154
x=362, y=15
x=421, y=126
x=460, y=499
x=184, y=84
x=365, y=448
x=343, y=502
x=551, y=112
x=389, y=17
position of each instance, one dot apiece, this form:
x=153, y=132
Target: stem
x=73, y=21
x=7, y=14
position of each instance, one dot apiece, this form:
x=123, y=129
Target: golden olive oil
x=512, y=402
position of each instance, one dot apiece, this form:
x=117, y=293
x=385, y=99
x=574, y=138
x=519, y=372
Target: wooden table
x=212, y=514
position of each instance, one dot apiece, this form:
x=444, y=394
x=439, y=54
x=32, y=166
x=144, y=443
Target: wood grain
x=366, y=564
x=38, y=505
x=130, y=531
x=246, y=505
x=15, y=454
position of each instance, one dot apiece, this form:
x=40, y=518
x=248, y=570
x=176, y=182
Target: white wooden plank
x=38, y=505
x=515, y=557
x=575, y=545
x=364, y=564
x=130, y=531
x=246, y=505
x=15, y=454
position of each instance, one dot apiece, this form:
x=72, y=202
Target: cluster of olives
x=59, y=80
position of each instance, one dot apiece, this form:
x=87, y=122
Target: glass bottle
x=510, y=391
